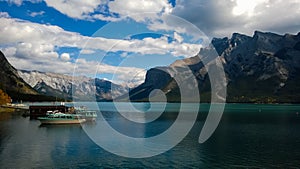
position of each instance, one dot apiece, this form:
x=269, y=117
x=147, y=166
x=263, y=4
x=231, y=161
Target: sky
x=119, y=40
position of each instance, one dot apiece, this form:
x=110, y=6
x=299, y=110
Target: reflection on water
x=249, y=136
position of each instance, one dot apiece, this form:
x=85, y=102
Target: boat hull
x=61, y=121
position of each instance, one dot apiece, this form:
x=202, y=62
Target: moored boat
x=89, y=115
x=61, y=118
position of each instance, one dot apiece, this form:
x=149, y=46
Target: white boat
x=16, y=106
x=61, y=118
x=86, y=114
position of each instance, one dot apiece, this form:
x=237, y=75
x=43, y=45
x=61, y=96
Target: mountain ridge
x=261, y=68
x=79, y=88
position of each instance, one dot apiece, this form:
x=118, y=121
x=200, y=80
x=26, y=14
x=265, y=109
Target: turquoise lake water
x=248, y=136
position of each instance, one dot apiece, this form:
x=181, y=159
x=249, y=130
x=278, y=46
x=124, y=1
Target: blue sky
x=119, y=40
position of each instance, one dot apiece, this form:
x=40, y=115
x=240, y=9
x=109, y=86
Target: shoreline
x=7, y=110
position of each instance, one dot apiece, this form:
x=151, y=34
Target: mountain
x=79, y=88
x=14, y=85
x=263, y=68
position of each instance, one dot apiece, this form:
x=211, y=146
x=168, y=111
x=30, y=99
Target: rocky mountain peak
x=238, y=39
x=261, y=68
x=5, y=65
x=269, y=35
x=220, y=44
x=71, y=87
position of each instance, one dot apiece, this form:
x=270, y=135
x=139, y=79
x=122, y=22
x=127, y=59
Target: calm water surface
x=248, y=136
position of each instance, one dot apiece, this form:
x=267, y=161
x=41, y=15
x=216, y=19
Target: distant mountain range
x=39, y=86
x=79, y=88
x=263, y=68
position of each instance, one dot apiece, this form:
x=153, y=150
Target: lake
x=248, y=136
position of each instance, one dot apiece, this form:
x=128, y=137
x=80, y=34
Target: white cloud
x=213, y=17
x=138, y=6
x=140, y=10
x=43, y=39
x=65, y=57
x=127, y=76
x=130, y=80
x=20, y=2
x=34, y=46
x=246, y=6
x=178, y=37
x=160, y=46
x=277, y=16
x=224, y=17
x=34, y=14
x=84, y=10
x=124, y=54
x=74, y=8
x=152, y=12
x=17, y=2
x=105, y=18
x=172, y=23
x=87, y=51
x=9, y=51
x=4, y=15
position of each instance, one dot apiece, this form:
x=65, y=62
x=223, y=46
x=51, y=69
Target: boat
x=42, y=110
x=56, y=117
x=89, y=115
x=16, y=106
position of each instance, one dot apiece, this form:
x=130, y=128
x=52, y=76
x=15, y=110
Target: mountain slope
x=261, y=68
x=79, y=88
x=43, y=88
x=14, y=85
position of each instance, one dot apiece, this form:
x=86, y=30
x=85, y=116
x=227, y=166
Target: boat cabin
x=41, y=111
